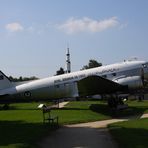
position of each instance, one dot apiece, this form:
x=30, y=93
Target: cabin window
x=66, y=84
x=57, y=86
x=114, y=74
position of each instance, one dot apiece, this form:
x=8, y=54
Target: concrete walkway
x=144, y=116
x=97, y=124
x=104, y=123
x=79, y=137
x=62, y=104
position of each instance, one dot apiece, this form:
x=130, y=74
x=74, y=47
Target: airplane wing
x=92, y=85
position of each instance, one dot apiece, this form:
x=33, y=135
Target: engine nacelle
x=133, y=82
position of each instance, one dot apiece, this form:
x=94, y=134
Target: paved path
x=62, y=104
x=79, y=137
x=104, y=123
x=97, y=124
x=144, y=116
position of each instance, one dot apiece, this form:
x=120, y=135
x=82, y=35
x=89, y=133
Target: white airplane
x=119, y=78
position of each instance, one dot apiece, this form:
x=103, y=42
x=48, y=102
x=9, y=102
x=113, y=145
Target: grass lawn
x=139, y=107
x=86, y=111
x=131, y=134
x=83, y=111
x=21, y=126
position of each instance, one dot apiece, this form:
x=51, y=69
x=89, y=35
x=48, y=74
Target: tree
x=20, y=79
x=60, y=71
x=92, y=63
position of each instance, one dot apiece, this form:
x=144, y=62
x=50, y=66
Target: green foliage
x=92, y=63
x=20, y=79
x=60, y=71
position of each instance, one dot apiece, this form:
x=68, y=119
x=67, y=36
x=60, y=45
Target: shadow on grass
x=73, y=108
x=105, y=110
x=101, y=108
x=19, y=107
x=130, y=137
x=21, y=134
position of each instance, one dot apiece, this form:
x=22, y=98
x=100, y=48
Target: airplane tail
x=4, y=81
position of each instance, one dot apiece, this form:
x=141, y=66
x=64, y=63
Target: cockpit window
x=114, y=74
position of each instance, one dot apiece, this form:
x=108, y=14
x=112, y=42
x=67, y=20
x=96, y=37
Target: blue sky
x=34, y=33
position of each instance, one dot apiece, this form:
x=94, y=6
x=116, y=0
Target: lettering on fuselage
x=105, y=71
x=81, y=76
x=69, y=78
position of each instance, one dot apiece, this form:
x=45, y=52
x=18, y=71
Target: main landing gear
x=115, y=102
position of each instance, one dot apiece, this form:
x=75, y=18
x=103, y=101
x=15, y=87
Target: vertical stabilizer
x=4, y=81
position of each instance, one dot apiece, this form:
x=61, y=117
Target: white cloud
x=86, y=24
x=122, y=26
x=14, y=27
x=31, y=29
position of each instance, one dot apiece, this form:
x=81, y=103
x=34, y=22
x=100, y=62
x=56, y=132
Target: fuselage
x=65, y=85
